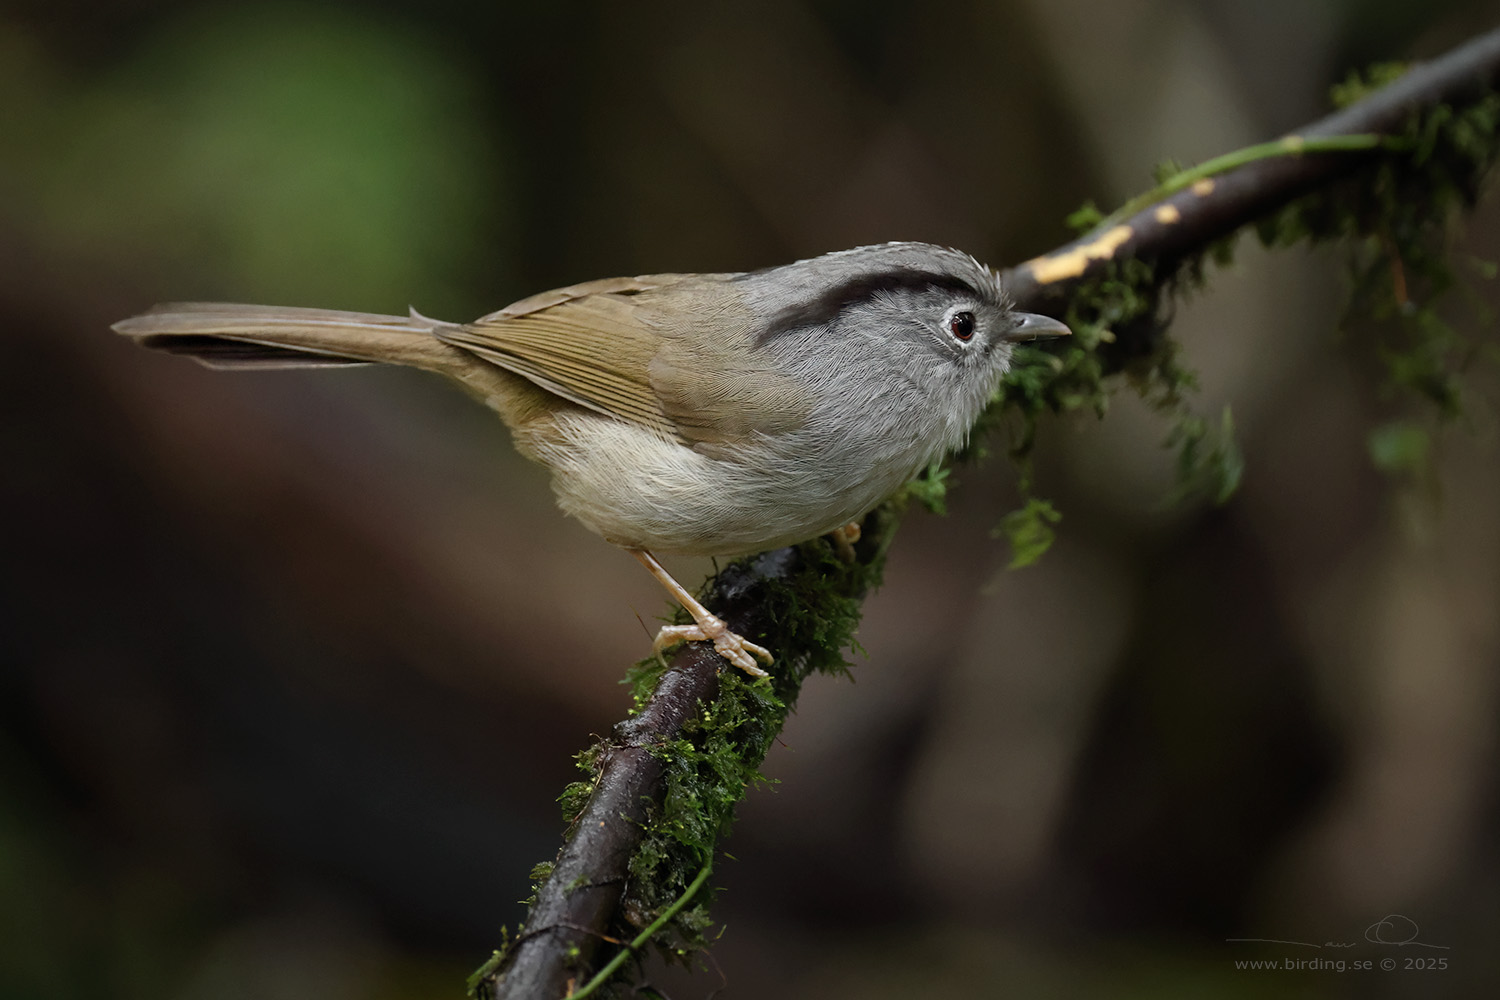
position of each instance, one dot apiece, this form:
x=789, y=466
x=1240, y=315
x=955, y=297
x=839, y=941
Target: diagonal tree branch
x=576, y=917
x=1185, y=223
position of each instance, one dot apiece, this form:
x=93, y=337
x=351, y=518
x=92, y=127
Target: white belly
x=628, y=485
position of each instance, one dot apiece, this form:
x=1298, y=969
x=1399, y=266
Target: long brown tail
x=228, y=335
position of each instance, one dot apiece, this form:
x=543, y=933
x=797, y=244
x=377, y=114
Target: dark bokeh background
x=293, y=665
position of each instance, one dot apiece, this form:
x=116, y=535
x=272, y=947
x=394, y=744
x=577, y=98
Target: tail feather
x=229, y=335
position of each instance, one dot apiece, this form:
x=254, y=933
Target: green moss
x=1209, y=463
x=480, y=980
x=1400, y=448
x=715, y=759
x=1084, y=218
x=1361, y=84
x=1395, y=215
x=1118, y=337
x=1029, y=531
x=576, y=795
x=930, y=487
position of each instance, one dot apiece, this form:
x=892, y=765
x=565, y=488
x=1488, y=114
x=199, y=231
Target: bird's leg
x=844, y=539
x=709, y=628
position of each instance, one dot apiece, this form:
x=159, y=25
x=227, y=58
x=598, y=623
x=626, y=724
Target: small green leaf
x=1029, y=531
x=930, y=489
x=1084, y=218
x=478, y=982
x=1400, y=448
x=1209, y=462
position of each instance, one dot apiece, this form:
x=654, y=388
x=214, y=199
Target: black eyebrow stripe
x=822, y=308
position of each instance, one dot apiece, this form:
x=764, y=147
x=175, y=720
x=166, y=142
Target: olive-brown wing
x=673, y=353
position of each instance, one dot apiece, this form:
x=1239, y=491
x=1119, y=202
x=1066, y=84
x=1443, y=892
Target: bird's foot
x=844, y=539
x=733, y=647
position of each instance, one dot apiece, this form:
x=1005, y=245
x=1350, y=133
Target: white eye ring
x=960, y=322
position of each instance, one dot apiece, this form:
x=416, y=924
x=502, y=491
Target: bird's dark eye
x=961, y=325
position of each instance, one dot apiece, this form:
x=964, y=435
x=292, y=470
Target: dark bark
x=576, y=905
x=578, y=902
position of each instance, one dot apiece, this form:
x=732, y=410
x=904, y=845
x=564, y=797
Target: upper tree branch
x=577, y=907
x=1187, y=222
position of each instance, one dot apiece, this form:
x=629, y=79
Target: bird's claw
x=733, y=647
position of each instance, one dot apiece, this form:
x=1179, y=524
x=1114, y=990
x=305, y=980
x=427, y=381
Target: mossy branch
x=660, y=792
x=1384, y=176
x=1190, y=221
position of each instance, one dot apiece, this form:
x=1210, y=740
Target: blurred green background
x=293, y=665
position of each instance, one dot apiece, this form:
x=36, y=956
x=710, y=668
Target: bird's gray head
x=907, y=287
x=907, y=325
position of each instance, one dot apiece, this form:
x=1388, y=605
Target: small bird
x=704, y=414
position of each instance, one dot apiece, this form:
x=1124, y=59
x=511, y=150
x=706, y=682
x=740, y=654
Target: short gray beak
x=1031, y=326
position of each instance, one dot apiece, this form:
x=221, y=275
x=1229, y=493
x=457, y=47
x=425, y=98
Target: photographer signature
x=1391, y=929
